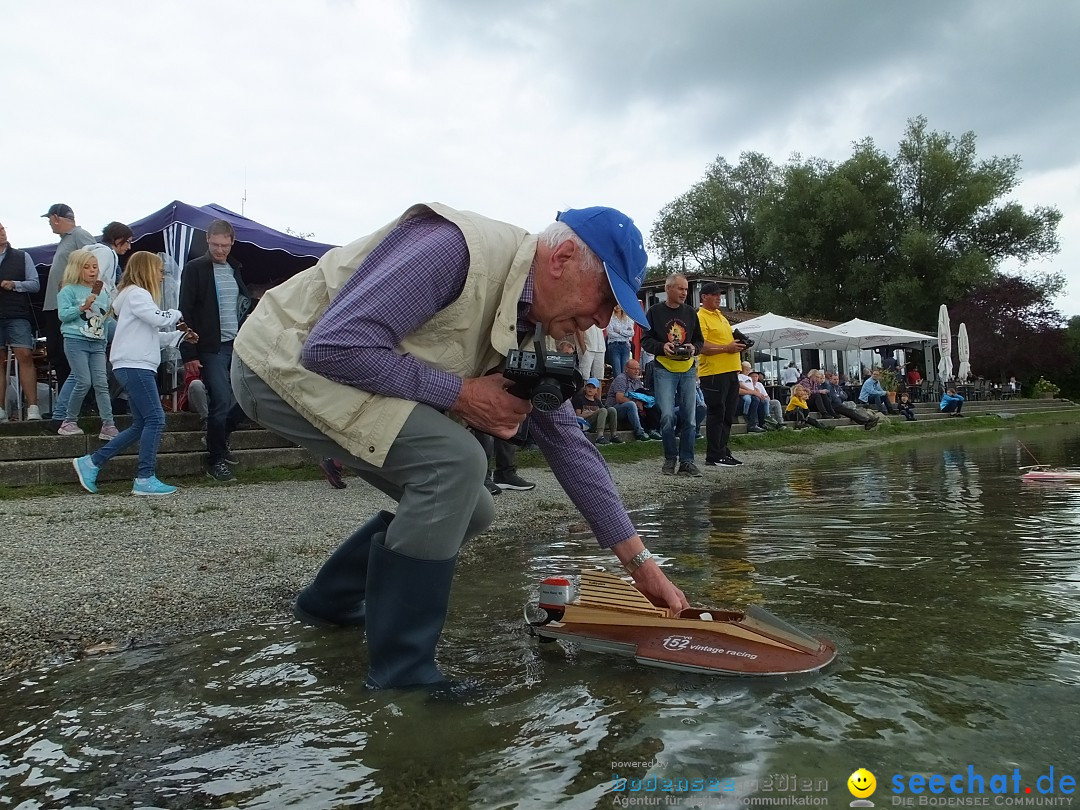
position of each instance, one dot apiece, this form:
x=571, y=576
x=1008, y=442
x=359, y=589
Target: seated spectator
x=819, y=398
x=773, y=408
x=798, y=410
x=838, y=398
x=193, y=399
x=913, y=376
x=906, y=407
x=751, y=405
x=872, y=394
x=951, y=402
x=621, y=395
x=589, y=405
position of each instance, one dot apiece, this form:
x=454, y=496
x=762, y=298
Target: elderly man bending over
x=347, y=360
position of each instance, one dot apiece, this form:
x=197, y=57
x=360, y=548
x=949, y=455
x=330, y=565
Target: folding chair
x=12, y=364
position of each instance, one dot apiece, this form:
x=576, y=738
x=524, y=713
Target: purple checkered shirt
x=355, y=342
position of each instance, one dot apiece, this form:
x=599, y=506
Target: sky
x=331, y=117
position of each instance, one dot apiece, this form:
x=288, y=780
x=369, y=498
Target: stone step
x=169, y=465
x=32, y=447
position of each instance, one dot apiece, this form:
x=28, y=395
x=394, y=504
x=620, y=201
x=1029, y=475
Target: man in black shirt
x=674, y=337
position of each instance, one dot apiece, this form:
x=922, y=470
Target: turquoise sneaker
x=152, y=486
x=87, y=473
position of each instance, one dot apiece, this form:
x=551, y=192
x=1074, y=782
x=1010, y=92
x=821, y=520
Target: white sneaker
x=33, y=413
x=3, y=415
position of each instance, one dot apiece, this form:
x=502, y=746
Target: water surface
x=949, y=585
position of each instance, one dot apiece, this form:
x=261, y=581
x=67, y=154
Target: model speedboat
x=610, y=615
x=1044, y=472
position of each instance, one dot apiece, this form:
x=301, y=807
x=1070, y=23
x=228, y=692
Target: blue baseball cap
x=593, y=381
x=614, y=237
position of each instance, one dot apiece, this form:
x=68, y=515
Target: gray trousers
x=435, y=470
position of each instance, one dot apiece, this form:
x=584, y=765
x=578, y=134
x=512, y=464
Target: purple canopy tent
x=179, y=230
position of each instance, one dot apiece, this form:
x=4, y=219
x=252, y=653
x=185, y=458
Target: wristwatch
x=638, y=560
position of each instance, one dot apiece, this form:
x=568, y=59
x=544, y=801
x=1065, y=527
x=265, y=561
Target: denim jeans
x=224, y=413
x=59, y=408
x=620, y=354
x=755, y=409
x=147, y=421
x=881, y=403
x=629, y=412
x=665, y=385
x=87, y=360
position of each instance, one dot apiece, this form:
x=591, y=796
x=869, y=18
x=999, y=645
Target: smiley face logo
x=861, y=783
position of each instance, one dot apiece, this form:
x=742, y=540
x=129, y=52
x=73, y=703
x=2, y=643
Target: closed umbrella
x=963, y=349
x=944, y=339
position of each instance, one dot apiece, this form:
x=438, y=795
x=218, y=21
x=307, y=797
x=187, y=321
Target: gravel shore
x=85, y=574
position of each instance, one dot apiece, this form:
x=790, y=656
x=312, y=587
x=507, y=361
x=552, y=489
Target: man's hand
x=485, y=404
x=733, y=348
x=7, y=284
x=669, y=349
x=659, y=590
x=191, y=337
x=193, y=367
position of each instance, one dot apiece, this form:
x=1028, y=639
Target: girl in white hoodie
x=135, y=356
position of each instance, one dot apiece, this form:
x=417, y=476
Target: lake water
x=950, y=586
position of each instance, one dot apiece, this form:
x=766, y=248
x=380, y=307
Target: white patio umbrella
x=860, y=334
x=771, y=331
x=857, y=335
x=944, y=337
x=963, y=348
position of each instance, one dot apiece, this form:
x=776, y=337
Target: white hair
x=558, y=232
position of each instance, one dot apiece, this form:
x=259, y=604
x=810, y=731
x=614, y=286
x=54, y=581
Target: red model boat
x=1042, y=472
x=610, y=615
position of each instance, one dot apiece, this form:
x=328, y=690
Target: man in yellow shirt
x=718, y=370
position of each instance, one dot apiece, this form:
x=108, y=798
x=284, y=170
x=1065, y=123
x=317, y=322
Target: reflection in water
x=949, y=586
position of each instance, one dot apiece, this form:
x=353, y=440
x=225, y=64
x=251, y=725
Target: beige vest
x=468, y=338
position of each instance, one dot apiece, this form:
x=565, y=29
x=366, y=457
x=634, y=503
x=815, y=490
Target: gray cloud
x=1002, y=69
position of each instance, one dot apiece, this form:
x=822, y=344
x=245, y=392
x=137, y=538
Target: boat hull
x=710, y=648
x=1052, y=475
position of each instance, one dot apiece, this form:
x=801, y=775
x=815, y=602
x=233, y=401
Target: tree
x=878, y=237
x=1014, y=328
x=956, y=228
x=828, y=234
x=712, y=227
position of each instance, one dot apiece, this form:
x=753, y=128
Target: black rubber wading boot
x=406, y=608
x=336, y=597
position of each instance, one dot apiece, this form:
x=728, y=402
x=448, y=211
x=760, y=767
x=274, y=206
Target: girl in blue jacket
x=83, y=307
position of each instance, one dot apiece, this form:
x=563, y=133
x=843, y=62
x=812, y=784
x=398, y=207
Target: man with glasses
x=674, y=338
x=379, y=357
x=215, y=302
